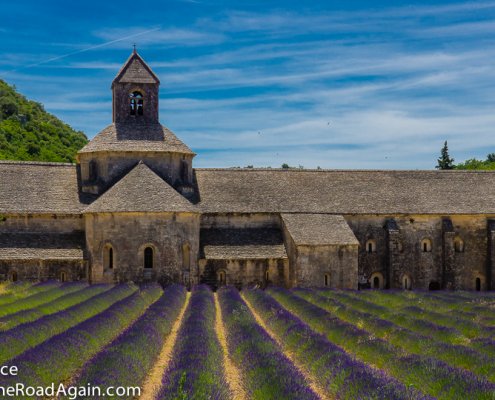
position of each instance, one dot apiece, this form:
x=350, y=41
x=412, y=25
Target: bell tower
x=135, y=93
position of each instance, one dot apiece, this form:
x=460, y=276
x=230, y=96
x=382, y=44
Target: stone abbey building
x=134, y=208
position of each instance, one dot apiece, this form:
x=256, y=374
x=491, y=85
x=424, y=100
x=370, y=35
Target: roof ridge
x=47, y=163
x=454, y=171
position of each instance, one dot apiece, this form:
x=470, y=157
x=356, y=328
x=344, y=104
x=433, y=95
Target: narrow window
x=13, y=276
x=221, y=277
x=110, y=258
x=426, y=245
x=63, y=276
x=458, y=245
x=376, y=282
x=186, y=257
x=406, y=282
x=136, y=103
x=148, y=258
x=370, y=246
x=327, y=280
x=478, y=284
x=267, y=276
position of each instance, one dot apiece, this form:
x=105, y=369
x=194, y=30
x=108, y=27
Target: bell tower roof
x=135, y=70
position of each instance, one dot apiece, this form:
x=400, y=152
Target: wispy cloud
x=162, y=37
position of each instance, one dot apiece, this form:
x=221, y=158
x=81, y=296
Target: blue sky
x=353, y=84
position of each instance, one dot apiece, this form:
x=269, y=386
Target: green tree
x=445, y=161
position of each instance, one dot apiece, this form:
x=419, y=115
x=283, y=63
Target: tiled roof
x=135, y=70
x=136, y=136
x=36, y=187
x=41, y=246
x=319, y=229
x=225, y=244
x=141, y=190
x=346, y=192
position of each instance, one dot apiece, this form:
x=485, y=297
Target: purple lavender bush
x=15, y=341
x=196, y=370
x=336, y=371
x=57, y=359
x=129, y=358
x=266, y=371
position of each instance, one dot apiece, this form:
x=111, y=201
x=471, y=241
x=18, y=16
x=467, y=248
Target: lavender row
x=59, y=304
x=21, y=292
x=40, y=298
x=424, y=307
x=132, y=355
x=57, y=359
x=431, y=376
x=15, y=341
x=266, y=371
x=413, y=342
x=337, y=372
x=196, y=370
x=12, y=291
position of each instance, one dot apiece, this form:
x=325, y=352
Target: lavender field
x=253, y=344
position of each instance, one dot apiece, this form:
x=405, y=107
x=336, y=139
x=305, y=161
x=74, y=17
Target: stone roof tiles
x=135, y=70
x=42, y=246
x=39, y=188
x=248, y=244
x=140, y=137
x=141, y=190
x=346, y=192
x=319, y=229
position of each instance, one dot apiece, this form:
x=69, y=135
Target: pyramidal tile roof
x=135, y=70
x=136, y=137
x=141, y=190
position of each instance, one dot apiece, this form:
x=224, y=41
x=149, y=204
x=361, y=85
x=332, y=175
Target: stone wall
x=121, y=104
x=130, y=233
x=41, y=270
x=447, y=265
x=248, y=273
x=240, y=221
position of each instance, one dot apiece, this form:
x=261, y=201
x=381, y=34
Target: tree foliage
x=28, y=132
x=445, y=161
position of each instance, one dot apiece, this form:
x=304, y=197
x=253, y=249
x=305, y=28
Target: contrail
x=82, y=50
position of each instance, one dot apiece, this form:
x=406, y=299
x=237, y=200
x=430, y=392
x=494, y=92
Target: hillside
x=28, y=132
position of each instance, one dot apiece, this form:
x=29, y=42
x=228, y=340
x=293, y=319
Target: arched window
x=186, y=256
x=478, y=284
x=458, y=245
x=221, y=277
x=426, y=245
x=406, y=282
x=267, y=276
x=13, y=276
x=371, y=246
x=108, y=257
x=327, y=280
x=148, y=258
x=63, y=276
x=376, y=280
x=136, y=103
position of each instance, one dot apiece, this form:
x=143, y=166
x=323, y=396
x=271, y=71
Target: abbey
x=133, y=208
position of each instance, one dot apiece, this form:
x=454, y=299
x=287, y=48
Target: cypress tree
x=445, y=161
